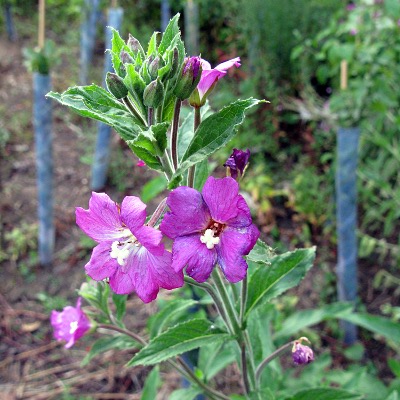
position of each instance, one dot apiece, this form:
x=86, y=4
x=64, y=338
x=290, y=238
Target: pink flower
x=70, y=324
x=211, y=227
x=130, y=254
x=140, y=163
x=209, y=78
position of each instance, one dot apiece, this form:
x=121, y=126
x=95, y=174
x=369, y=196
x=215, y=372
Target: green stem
x=192, y=169
x=133, y=110
x=271, y=357
x=217, y=300
x=157, y=213
x=243, y=300
x=174, y=133
x=137, y=338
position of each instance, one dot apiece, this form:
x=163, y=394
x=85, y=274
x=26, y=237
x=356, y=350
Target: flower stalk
x=174, y=134
x=192, y=169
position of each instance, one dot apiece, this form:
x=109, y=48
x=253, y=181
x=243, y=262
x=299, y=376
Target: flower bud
x=126, y=58
x=153, y=67
x=116, y=85
x=302, y=354
x=237, y=162
x=135, y=45
x=189, y=78
x=153, y=94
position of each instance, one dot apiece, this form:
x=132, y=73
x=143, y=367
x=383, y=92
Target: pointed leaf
x=120, y=304
x=377, y=324
x=285, y=272
x=185, y=394
x=306, y=318
x=179, y=339
x=169, y=313
x=95, y=102
x=261, y=252
x=171, y=31
x=325, y=394
x=151, y=385
x=214, y=132
x=152, y=48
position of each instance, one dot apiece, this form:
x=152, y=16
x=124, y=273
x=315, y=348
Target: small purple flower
x=350, y=7
x=302, y=354
x=190, y=76
x=353, y=31
x=209, y=78
x=129, y=252
x=211, y=227
x=140, y=163
x=70, y=324
x=237, y=162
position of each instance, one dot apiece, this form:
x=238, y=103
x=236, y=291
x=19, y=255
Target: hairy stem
x=150, y=116
x=174, y=133
x=158, y=212
x=134, y=336
x=271, y=357
x=192, y=169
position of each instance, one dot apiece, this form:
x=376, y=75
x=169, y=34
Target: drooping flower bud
x=116, y=85
x=135, y=45
x=302, y=354
x=190, y=75
x=153, y=94
x=237, y=162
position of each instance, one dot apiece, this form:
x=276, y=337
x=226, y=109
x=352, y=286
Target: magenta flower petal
x=151, y=239
x=234, y=244
x=243, y=216
x=188, y=214
x=221, y=197
x=70, y=324
x=101, y=222
x=121, y=281
x=101, y=265
x=133, y=213
x=189, y=251
x=162, y=270
x=208, y=78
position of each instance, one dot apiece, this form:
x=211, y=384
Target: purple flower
x=190, y=76
x=209, y=78
x=211, y=227
x=302, y=354
x=353, y=31
x=129, y=253
x=140, y=163
x=237, y=162
x=350, y=7
x=70, y=324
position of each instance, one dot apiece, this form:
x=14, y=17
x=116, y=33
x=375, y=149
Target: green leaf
x=171, y=31
x=160, y=135
x=325, y=394
x=117, y=45
x=152, y=47
x=394, y=365
x=201, y=175
x=153, y=188
x=393, y=396
x=306, y=318
x=261, y=252
x=214, y=132
x=95, y=102
x=390, y=330
x=169, y=314
x=153, y=382
x=185, y=394
x=215, y=357
x=144, y=149
x=183, y=337
x=285, y=272
x=264, y=394
x=120, y=304
x=119, y=342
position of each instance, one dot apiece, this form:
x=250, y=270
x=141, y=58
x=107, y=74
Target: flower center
x=73, y=327
x=209, y=239
x=121, y=250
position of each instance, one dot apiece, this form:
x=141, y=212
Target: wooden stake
x=41, y=32
x=343, y=75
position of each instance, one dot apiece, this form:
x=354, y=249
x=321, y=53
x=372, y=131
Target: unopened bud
x=153, y=67
x=302, y=354
x=126, y=58
x=134, y=45
x=189, y=77
x=237, y=162
x=116, y=85
x=153, y=94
